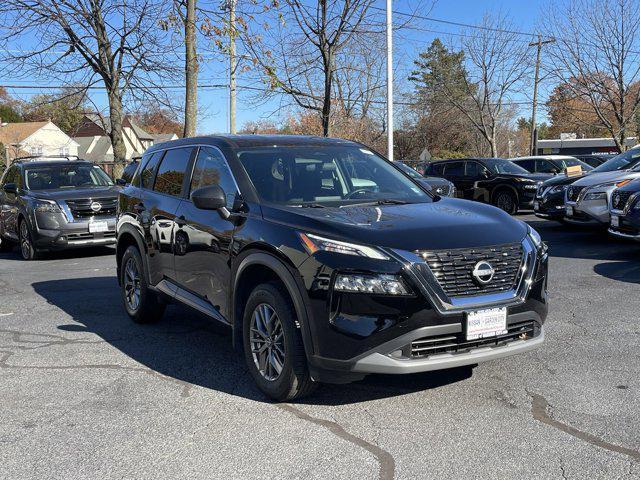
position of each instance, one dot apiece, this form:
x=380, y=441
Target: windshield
x=327, y=176
x=625, y=160
x=408, y=170
x=50, y=177
x=571, y=162
x=505, y=166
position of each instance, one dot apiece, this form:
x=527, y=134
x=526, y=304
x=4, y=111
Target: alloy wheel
x=505, y=202
x=25, y=241
x=132, y=284
x=266, y=339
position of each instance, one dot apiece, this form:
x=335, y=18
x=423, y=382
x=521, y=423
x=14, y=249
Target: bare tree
x=496, y=65
x=113, y=43
x=299, y=56
x=597, y=56
x=186, y=11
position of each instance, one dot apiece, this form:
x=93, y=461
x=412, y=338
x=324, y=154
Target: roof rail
x=32, y=158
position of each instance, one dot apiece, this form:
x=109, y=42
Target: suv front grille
x=81, y=209
x=453, y=268
x=573, y=193
x=619, y=199
x=456, y=343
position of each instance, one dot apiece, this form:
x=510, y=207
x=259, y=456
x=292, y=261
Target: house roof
x=163, y=137
x=104, y=123
x=13, y=133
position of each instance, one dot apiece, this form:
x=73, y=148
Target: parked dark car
x=625, y=211
x=553, y=164
x=327, y=262
x=437, y=185
x=490, y=180
x=53, y=205
x=595, y=160
x=550, y=197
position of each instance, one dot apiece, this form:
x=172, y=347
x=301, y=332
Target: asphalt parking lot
x=85, y=393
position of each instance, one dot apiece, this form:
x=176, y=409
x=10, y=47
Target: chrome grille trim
x=427, y=283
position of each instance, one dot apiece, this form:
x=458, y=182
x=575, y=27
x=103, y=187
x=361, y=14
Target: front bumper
x=591, y=212
x=71, y=234
x=353, y=335
x=550, y=207
x=628, y=225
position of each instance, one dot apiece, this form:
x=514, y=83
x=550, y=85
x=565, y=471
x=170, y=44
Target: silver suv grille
x=453, y=268
x=81, y=209
x=573, y=193
x=619, y=199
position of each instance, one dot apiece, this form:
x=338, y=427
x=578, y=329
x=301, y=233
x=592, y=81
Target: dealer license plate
x=569, y=211
x=615, y=221
x=98, y=227
x=486, y=323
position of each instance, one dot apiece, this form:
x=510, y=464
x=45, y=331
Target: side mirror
x=211, y=198
x=10, y=188
x=486, y=174
x=121, y=182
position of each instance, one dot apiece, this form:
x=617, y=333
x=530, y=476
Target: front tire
x=507, y=201
x=27, y=249
x=273, y=347
x=141, y=304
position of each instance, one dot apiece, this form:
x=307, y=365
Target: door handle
x=139, y=207
x=181, y=221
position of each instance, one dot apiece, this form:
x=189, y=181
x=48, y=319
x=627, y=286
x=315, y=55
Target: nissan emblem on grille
x=96, y=206
x=483, y=272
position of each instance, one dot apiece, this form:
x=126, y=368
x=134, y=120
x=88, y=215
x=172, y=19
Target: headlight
x=535, y=237
x=381, y=284
x=314, y=243
x=595, y=196
x=47, y=206
x=531, y=186
x=558, y=189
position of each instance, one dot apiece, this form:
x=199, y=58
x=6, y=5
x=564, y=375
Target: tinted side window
x=170, y=176
x=211, y=169
x=545, y=166
x=528, y=165
x=437, y=169
x=145, y=178
x=473, y=169
x=454, y=169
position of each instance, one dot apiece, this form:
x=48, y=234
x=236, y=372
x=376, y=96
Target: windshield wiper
x=309, y=205
x=381, y=201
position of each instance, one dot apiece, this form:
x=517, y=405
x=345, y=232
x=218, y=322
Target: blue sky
x=214, y=102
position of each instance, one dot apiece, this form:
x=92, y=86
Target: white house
x=95, y=145
x=35, y=138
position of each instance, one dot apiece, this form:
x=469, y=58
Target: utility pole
x=389, y=81
x=232, y=66
x=534, y=130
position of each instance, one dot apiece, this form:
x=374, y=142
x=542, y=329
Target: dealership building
x=569, y=145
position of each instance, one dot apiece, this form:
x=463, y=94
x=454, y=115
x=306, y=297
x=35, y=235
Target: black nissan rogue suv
x=56, y=204
x=326, y=260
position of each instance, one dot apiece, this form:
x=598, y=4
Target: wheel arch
x=129, y=236
x=255, y=266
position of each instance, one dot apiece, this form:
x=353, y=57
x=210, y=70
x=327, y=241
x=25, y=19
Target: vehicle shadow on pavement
x=628, y=272
x=186, y=347
x=568, y=241
x=14, y=255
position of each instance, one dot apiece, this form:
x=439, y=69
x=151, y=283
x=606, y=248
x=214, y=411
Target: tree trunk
x=191, y=71
x=327, y=60
x=115, y=132
x=492, y=144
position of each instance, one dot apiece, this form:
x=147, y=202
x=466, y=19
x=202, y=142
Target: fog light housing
x=377, y=284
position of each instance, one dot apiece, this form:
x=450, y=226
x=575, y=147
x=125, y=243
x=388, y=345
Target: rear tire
x=273, y=347
x=27, y=249
x=141, y=304
x=507, y=201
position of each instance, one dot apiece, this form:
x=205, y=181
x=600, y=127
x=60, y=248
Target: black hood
x=76, y=193
x=444, y=224
x=436, y=181
x=537, y=177
x=561, y=180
